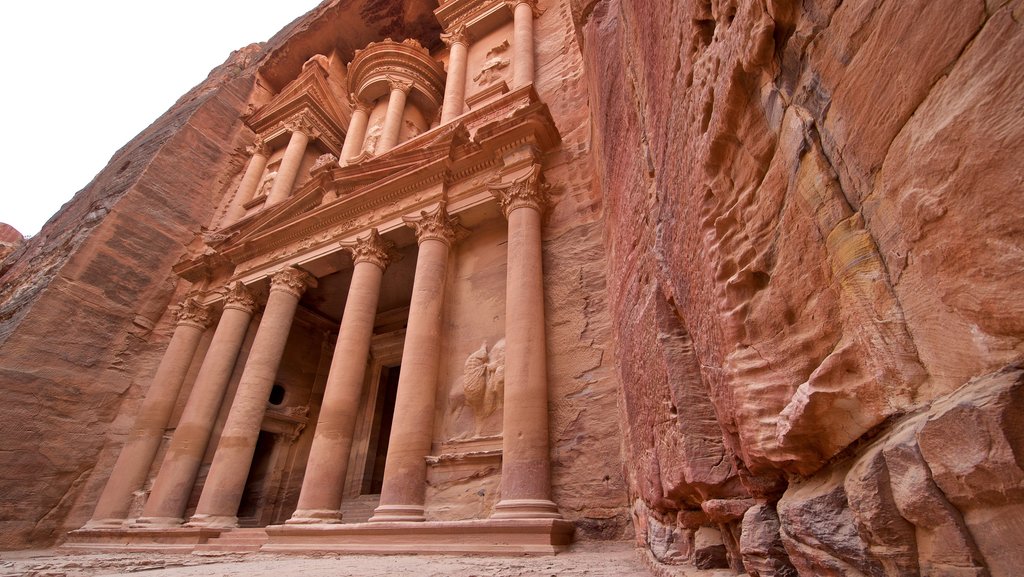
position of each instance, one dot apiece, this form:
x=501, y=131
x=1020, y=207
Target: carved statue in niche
x=483, y=383
x=490, y=70
x=372, y=136
x=266, y=184
x=412, y=130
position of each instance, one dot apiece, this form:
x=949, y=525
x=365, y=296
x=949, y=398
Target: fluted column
x=290, y=163
x=525, y=459
x=222, y=492
x=356, y=134
x=522, y=42
x=455, y=85
x=173, y=484
x=136, y=457
x=394, y=115
x=322, y=486
x=250, y=181
x=405, y=471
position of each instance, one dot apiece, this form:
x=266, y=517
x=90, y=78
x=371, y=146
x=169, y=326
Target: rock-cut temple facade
x=737, y=281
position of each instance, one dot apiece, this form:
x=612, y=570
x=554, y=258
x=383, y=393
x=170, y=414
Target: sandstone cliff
x=814, y=254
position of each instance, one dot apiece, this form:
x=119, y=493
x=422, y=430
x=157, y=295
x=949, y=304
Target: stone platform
x=166, y=540
x=487, y=536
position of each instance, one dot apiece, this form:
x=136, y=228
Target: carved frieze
x=327, y=160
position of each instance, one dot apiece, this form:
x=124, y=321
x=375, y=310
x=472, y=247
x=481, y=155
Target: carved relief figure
x=483, y=382
x=490, y=70
x=372, y=136
x=266, y=184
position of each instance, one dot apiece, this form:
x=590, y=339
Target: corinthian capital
x=304, y=124
x=191, y=312
x=456, y=35
x=292, y=280
x=436, y=225
x=258, y=147
x=526, y=191
x=239, y=297
x=400, y=84
x=358, y=103
x=373, y=249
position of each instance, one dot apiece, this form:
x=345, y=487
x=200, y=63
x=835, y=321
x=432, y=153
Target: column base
x=526, y=509
x=156, y=522
x=105, y=524
x=396, y=513
x=314, y=516
x=213, y=521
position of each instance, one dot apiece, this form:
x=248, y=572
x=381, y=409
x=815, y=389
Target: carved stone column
x=356, y=130
x=394, y=115
x=132, y=466
x=292, y=160
x=522, y=39
x=250, y=181
x=321, y=495
x=455, y=85
x=173, y=484
x=222, y=493
x=405, y=472
x=525, y=460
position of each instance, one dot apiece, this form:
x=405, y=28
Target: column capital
x=239, y=297
x=513, y=4
x=292, y=280
x=399, y=84
x=527, y=191
x=373, y=248
x=457, y=35
x=358, y=103
x=302, y=123
x=436, y=225
x=190, y=312
x=259, y=146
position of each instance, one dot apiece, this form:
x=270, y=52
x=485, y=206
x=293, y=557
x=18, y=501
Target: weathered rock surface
x=821, y=197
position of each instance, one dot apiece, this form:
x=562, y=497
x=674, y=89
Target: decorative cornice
x=240, y=298
x=526, y=191
x=293, y=281
x=190, y=312
x=456, y=35
x=436, y=225
x=373, y=249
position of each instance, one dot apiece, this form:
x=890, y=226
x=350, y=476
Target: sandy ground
x=592, y=560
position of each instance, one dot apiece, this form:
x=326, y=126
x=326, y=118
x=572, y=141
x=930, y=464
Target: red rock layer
x=813, y=233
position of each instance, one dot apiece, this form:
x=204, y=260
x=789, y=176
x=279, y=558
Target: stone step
x=234, y=541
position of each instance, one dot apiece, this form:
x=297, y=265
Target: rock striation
x=813, y=251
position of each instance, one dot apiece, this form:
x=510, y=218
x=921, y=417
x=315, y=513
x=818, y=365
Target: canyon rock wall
x=814, y=254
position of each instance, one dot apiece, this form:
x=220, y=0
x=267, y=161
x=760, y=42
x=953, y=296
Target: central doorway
x=380, y=430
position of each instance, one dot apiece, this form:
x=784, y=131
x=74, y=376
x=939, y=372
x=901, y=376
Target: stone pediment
x=335, y=202
x=308, y=95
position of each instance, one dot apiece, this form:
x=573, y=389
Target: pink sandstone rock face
x=812, y=227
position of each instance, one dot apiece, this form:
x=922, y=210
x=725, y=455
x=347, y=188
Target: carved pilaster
x=526, y=191
x=191, y=312
x=436, y=225
x=239, y=297
x=400, y=84
x=456, y=35
x=373, y=249
x=292, y=280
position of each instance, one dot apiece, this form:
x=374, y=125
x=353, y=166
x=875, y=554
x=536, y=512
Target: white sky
x=80, y=78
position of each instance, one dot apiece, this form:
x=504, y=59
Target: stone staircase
x=358, y=509
x=242, y=540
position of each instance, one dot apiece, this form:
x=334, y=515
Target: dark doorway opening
x=255, y=484
x=384, y=412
